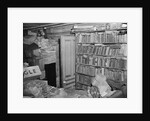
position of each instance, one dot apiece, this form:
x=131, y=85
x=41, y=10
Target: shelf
x=102, y=67
x=104, y=43
x=116, y=29
x=105, y=56
x=92, y=31
x=118, y=42
x=115, y=43
x=85, y=74
x=83, y=83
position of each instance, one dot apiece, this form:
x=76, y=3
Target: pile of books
x=103, y=50
x=87, y=70
x=83, y=79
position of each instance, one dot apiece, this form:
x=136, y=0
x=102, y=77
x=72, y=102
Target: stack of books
x=87, y=70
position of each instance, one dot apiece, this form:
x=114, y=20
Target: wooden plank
x=69, y=78
x=70, y=85
x=61, y=29
x=57, y=67
x=62, y=59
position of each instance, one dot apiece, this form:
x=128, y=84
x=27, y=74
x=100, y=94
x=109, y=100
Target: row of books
x=102, y=37
x=119, y=63
x=87, y=70
x=111, y=50
x=83, y=79
x=112, y=74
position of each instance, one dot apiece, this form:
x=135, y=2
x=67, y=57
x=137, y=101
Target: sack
x=100, y=82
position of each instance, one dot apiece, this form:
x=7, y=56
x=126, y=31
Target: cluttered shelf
x=100, y=51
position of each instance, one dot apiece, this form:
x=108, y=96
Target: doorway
x=50, y=74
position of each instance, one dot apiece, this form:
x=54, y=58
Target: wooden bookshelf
x=117, y=40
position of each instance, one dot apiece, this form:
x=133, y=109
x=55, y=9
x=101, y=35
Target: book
x=92, y=49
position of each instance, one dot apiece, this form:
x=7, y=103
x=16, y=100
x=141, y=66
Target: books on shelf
x=102, y=37
x=103, y=50
x=117, y=63
x=116, y=75
x=83, y=79
x=87, y=70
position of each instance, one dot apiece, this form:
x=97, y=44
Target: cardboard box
x=32, y=71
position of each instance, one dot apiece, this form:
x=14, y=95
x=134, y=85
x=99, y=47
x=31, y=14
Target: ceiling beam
x=40, y=26
x=50, y=25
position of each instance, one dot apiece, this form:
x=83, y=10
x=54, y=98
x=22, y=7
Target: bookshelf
x=100, y=51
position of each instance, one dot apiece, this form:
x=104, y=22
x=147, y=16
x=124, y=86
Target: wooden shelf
x=83, y=83
x=85, y=74
x=103, y=43
x=113, y=45
x=92, y=31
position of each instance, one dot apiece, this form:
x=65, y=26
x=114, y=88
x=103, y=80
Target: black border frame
x=145, y=28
